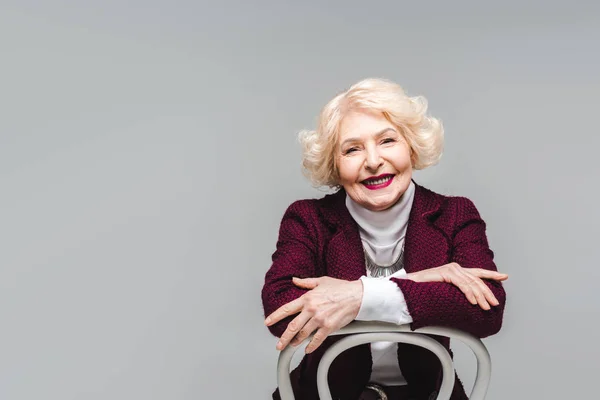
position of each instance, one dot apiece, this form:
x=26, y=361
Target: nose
x=373, y=160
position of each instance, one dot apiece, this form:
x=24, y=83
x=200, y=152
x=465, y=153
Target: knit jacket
x=318, y=237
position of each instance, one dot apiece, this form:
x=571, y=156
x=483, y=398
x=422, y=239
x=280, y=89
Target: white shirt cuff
x=383, y=301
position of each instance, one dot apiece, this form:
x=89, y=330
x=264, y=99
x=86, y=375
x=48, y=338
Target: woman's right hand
x=468, y=280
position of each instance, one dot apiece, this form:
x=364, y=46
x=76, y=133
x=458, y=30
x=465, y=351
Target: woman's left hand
x=468, y=280
x=330, y=305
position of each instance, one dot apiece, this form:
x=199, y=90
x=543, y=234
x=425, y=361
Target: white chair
x=360, y=332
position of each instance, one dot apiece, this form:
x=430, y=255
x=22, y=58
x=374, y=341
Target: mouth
x=378, y=182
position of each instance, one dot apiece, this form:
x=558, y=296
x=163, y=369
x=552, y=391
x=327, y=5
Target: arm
x=295, y=256
x=443, y=304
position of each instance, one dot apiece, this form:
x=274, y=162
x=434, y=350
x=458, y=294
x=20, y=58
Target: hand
x=468, y=280
x=329, y=305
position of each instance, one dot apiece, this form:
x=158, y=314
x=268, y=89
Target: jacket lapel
x=344, y=255
x=424, y=235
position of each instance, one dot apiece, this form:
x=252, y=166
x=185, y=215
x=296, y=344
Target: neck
x=382, y=228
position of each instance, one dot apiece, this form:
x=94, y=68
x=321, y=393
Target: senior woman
x=380, y=248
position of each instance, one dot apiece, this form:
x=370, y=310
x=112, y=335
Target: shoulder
x=448, y=210
x=447, y=202
x=326, y=204
x=317, y=212
x=464, y=207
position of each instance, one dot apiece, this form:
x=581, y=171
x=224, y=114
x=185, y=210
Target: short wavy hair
x=424, y=134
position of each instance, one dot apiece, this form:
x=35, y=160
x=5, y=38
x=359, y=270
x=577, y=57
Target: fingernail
x=267, y=321
x=279, y=345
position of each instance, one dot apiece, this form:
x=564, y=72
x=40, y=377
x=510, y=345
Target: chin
x=380, y=206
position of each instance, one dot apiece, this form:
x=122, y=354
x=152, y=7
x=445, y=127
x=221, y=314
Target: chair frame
x=361, y=332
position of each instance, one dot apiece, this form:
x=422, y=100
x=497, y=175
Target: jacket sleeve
x=443, y=304
x=295, y=256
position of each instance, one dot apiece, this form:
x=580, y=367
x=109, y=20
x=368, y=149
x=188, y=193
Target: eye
x=351, y=150
x=388, y=140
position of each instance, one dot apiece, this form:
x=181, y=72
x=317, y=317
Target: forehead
x=361, y=124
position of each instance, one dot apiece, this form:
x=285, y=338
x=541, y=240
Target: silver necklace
x=378, y=271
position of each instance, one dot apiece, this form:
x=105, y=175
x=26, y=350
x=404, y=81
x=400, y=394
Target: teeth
x=378, y=181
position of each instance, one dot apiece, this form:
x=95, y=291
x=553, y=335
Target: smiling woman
x=373, y=163
x=382, y=248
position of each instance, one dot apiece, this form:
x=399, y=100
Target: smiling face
x=373, y=160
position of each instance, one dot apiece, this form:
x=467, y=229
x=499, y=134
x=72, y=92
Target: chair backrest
x=359, y=332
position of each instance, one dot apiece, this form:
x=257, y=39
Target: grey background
x=147, y=153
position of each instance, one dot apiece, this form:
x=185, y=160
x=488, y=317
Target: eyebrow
x=378, y=134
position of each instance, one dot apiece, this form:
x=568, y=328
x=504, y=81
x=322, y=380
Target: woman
x=381, y=248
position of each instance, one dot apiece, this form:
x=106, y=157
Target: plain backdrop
x=148, y=151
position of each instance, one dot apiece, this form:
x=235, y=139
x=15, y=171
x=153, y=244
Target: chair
x=360, y=332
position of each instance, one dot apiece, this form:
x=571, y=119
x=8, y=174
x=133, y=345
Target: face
x=373, y=160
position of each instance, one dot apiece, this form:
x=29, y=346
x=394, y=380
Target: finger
x=481, y=300
x=306, y=283
x=291, y=308
x=457, y=279
x=467, y=290
x=305, y=332
x=486, y=274
x=317, y=340
x=478, y=292
x=487, y=292
x=292, y=329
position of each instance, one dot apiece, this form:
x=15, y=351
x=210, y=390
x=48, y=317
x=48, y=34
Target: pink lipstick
x=378, y=182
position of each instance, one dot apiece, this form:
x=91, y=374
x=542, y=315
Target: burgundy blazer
x=318, y=237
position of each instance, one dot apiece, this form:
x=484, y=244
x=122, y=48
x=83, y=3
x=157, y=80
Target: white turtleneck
x=382, y=234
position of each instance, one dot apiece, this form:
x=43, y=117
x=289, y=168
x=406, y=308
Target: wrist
x=358, y=290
